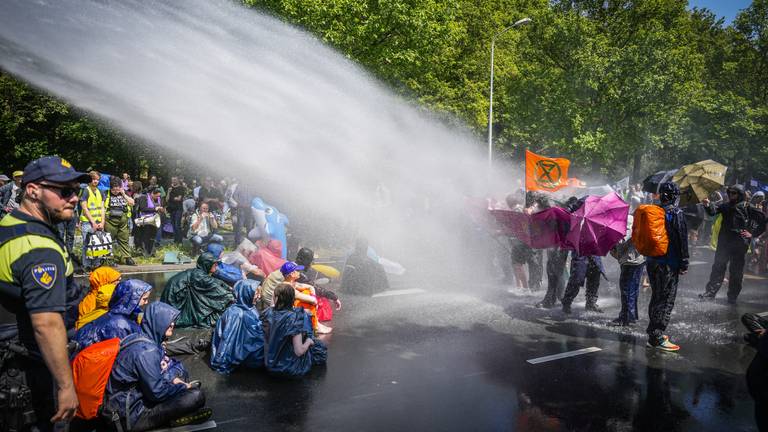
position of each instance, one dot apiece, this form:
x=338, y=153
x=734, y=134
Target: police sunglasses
x=64, y=191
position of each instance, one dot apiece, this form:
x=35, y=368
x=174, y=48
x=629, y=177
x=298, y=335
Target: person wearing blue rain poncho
x=291, y=349
x=122, y=319
x=239, y=336
x=138, y=390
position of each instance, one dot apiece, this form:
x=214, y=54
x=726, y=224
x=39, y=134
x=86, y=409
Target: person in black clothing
x=584, y=268
x=147, y=205
x=174, y=200
x=556, y=260
x=732, y=244
x=664, y=271
x=211, y=195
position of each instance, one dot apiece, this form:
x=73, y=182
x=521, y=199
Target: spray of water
x=248, y=95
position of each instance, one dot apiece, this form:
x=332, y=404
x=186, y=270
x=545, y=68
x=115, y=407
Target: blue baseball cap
x=52, y=168
x=290, y=267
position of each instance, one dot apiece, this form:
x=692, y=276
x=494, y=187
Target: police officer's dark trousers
x=731, y=253
x=556, y=259
x=663, y=279
x=583, y=268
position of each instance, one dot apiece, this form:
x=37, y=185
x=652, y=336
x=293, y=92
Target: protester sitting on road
x=362, y=275
x=304, y=258
x=305, y=294
x=268, y=256
x=239, y=337
x=199, y=296
x=291, y=349
x=140, y=391
x=96, y=302
x=203, y=228
x=122, y=319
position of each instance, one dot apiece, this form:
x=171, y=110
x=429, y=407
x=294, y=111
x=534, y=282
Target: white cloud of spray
x=247, y=95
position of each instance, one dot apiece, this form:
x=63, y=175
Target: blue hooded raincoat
x=138, y=381
x=282, y=326
x=239, y=337
x=122, y=318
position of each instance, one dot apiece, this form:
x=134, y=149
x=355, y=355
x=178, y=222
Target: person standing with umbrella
x=584, y=268
x=732, y=244
x=664, y=271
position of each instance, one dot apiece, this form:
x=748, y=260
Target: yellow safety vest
x=95, y=204
x=19, y=237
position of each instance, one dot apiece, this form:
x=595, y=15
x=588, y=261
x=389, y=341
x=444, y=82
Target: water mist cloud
x=243, y=93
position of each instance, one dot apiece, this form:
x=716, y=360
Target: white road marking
x=398, y=292
x=696, y=262
x=545, y=359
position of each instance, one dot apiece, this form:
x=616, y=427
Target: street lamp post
x=490, y=99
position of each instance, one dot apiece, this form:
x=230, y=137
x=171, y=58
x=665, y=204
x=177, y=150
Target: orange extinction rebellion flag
x=545, y=174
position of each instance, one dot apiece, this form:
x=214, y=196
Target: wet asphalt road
x=456, y=360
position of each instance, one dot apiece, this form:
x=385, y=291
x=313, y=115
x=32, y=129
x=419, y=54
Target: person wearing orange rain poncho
x=96, y=303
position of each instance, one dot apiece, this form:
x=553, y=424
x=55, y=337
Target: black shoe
x=567, y=309
x=200, y=416
x=593, y=308
x=545, y=305
x=706, y=296
x=130, y=262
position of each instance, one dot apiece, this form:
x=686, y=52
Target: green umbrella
x=698, y=180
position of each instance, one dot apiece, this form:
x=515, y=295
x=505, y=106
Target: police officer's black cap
x=54, y=169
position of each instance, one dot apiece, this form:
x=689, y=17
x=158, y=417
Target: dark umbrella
x=652, y=182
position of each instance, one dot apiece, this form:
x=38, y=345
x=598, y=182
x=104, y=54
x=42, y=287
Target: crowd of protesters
x=264, y=310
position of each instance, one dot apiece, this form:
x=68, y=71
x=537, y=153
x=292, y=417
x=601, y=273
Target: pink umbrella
x=598, y=225
x=540, y=230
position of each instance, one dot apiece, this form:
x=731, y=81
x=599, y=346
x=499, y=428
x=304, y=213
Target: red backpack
x=91, y=368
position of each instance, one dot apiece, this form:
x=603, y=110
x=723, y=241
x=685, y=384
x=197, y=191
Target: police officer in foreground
x=36, y=282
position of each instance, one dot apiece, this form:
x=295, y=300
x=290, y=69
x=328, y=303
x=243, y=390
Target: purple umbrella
x=541, y=230
x=598, y=225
